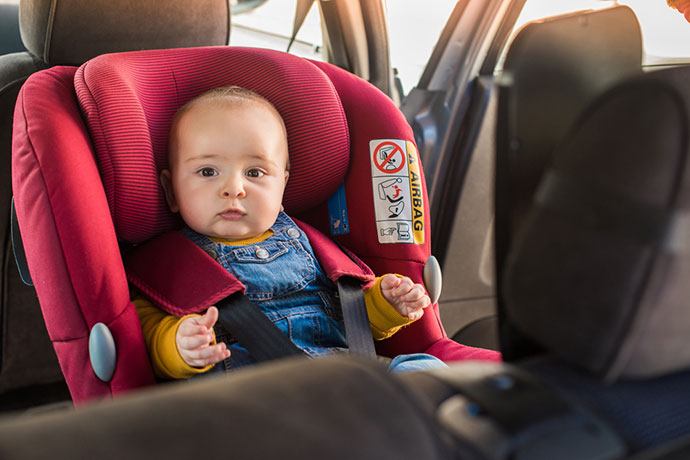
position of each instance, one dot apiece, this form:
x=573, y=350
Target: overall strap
x=335, y=260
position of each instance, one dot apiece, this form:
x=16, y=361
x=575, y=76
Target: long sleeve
x=159, y=333
x=384, y=319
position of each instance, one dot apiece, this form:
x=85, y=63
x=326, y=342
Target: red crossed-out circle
x=380, y=164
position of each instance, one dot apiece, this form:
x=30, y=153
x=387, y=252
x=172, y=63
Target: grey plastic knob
x=433, y=278
x=102, y=352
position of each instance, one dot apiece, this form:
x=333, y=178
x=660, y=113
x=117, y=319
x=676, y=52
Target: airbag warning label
x=398, y=198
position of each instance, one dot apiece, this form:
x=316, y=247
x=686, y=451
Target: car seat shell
x=72, y=208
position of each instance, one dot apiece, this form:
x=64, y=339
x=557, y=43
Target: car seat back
x=553, y=70
x=101, y=190
x=597, y=275
x=599, y=272
x=69, y=32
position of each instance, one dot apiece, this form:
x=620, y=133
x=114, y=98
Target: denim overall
x=283, y=277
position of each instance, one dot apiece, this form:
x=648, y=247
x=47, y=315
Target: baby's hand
x=408, y=298
x=194, y=338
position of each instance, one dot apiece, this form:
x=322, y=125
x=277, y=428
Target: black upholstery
x=598, y=272
x=71, y=32
x=592, y=196
x=553, y=70
x=68, y=32
x=26, y=354
x=292, y=409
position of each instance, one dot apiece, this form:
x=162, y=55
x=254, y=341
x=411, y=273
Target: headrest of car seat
x=129, y=100
x=599, y=272
x=72, y=31
x=546, y=57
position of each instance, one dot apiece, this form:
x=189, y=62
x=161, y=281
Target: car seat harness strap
x=357, y=331
x=246, y=322
x=181, y=278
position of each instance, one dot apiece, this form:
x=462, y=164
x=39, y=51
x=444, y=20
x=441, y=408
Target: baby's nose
x=233, y=188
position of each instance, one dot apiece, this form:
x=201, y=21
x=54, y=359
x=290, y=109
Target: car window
x=665, y=32
x=270, y=26
x=414, y=27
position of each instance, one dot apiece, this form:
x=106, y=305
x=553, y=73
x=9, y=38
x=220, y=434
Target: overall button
x=293, y=232
x=261, y=253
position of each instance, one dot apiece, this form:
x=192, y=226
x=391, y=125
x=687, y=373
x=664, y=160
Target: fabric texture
x=75, y=260
x=130, y=131
x=645, y=413
x=27, y=357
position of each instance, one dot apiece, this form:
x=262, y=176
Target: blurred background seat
x=552, y=72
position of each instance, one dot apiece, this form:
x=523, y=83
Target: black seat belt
x=357, y=330
x=246, y=322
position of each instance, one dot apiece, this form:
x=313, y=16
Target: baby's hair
x=229, y=95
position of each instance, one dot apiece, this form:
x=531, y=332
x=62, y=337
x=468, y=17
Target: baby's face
x=228, y=169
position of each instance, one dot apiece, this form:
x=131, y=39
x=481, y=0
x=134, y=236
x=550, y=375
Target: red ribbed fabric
x=129, y=100
x=70, y=216
x=68, y=235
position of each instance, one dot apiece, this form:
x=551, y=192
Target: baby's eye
x=207, y=172
x=254, y=172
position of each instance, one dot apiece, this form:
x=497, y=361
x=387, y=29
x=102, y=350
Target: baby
x=228, y=170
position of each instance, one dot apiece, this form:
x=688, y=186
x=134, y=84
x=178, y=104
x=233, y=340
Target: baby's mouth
x=232, y=214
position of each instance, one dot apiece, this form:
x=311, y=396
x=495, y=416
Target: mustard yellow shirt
x=160, y=328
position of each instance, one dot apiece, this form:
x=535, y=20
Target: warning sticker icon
x=398, y=195
x=389, y=157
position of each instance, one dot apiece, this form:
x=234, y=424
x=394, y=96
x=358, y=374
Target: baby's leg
x=415, y=362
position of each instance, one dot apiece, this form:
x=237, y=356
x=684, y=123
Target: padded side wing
x=372, y=115
x=70, y=243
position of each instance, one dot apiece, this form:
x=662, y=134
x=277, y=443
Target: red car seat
x=68, y=32
x=86, y=185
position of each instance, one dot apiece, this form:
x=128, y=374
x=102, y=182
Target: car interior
x=587, y=251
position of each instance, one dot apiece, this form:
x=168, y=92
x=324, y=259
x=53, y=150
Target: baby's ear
x=287, y=174
x=166, y=183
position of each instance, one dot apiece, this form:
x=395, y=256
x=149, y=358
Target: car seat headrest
x=129, y=100
x=70, y=32
x=599, y=272
x=546, y=57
